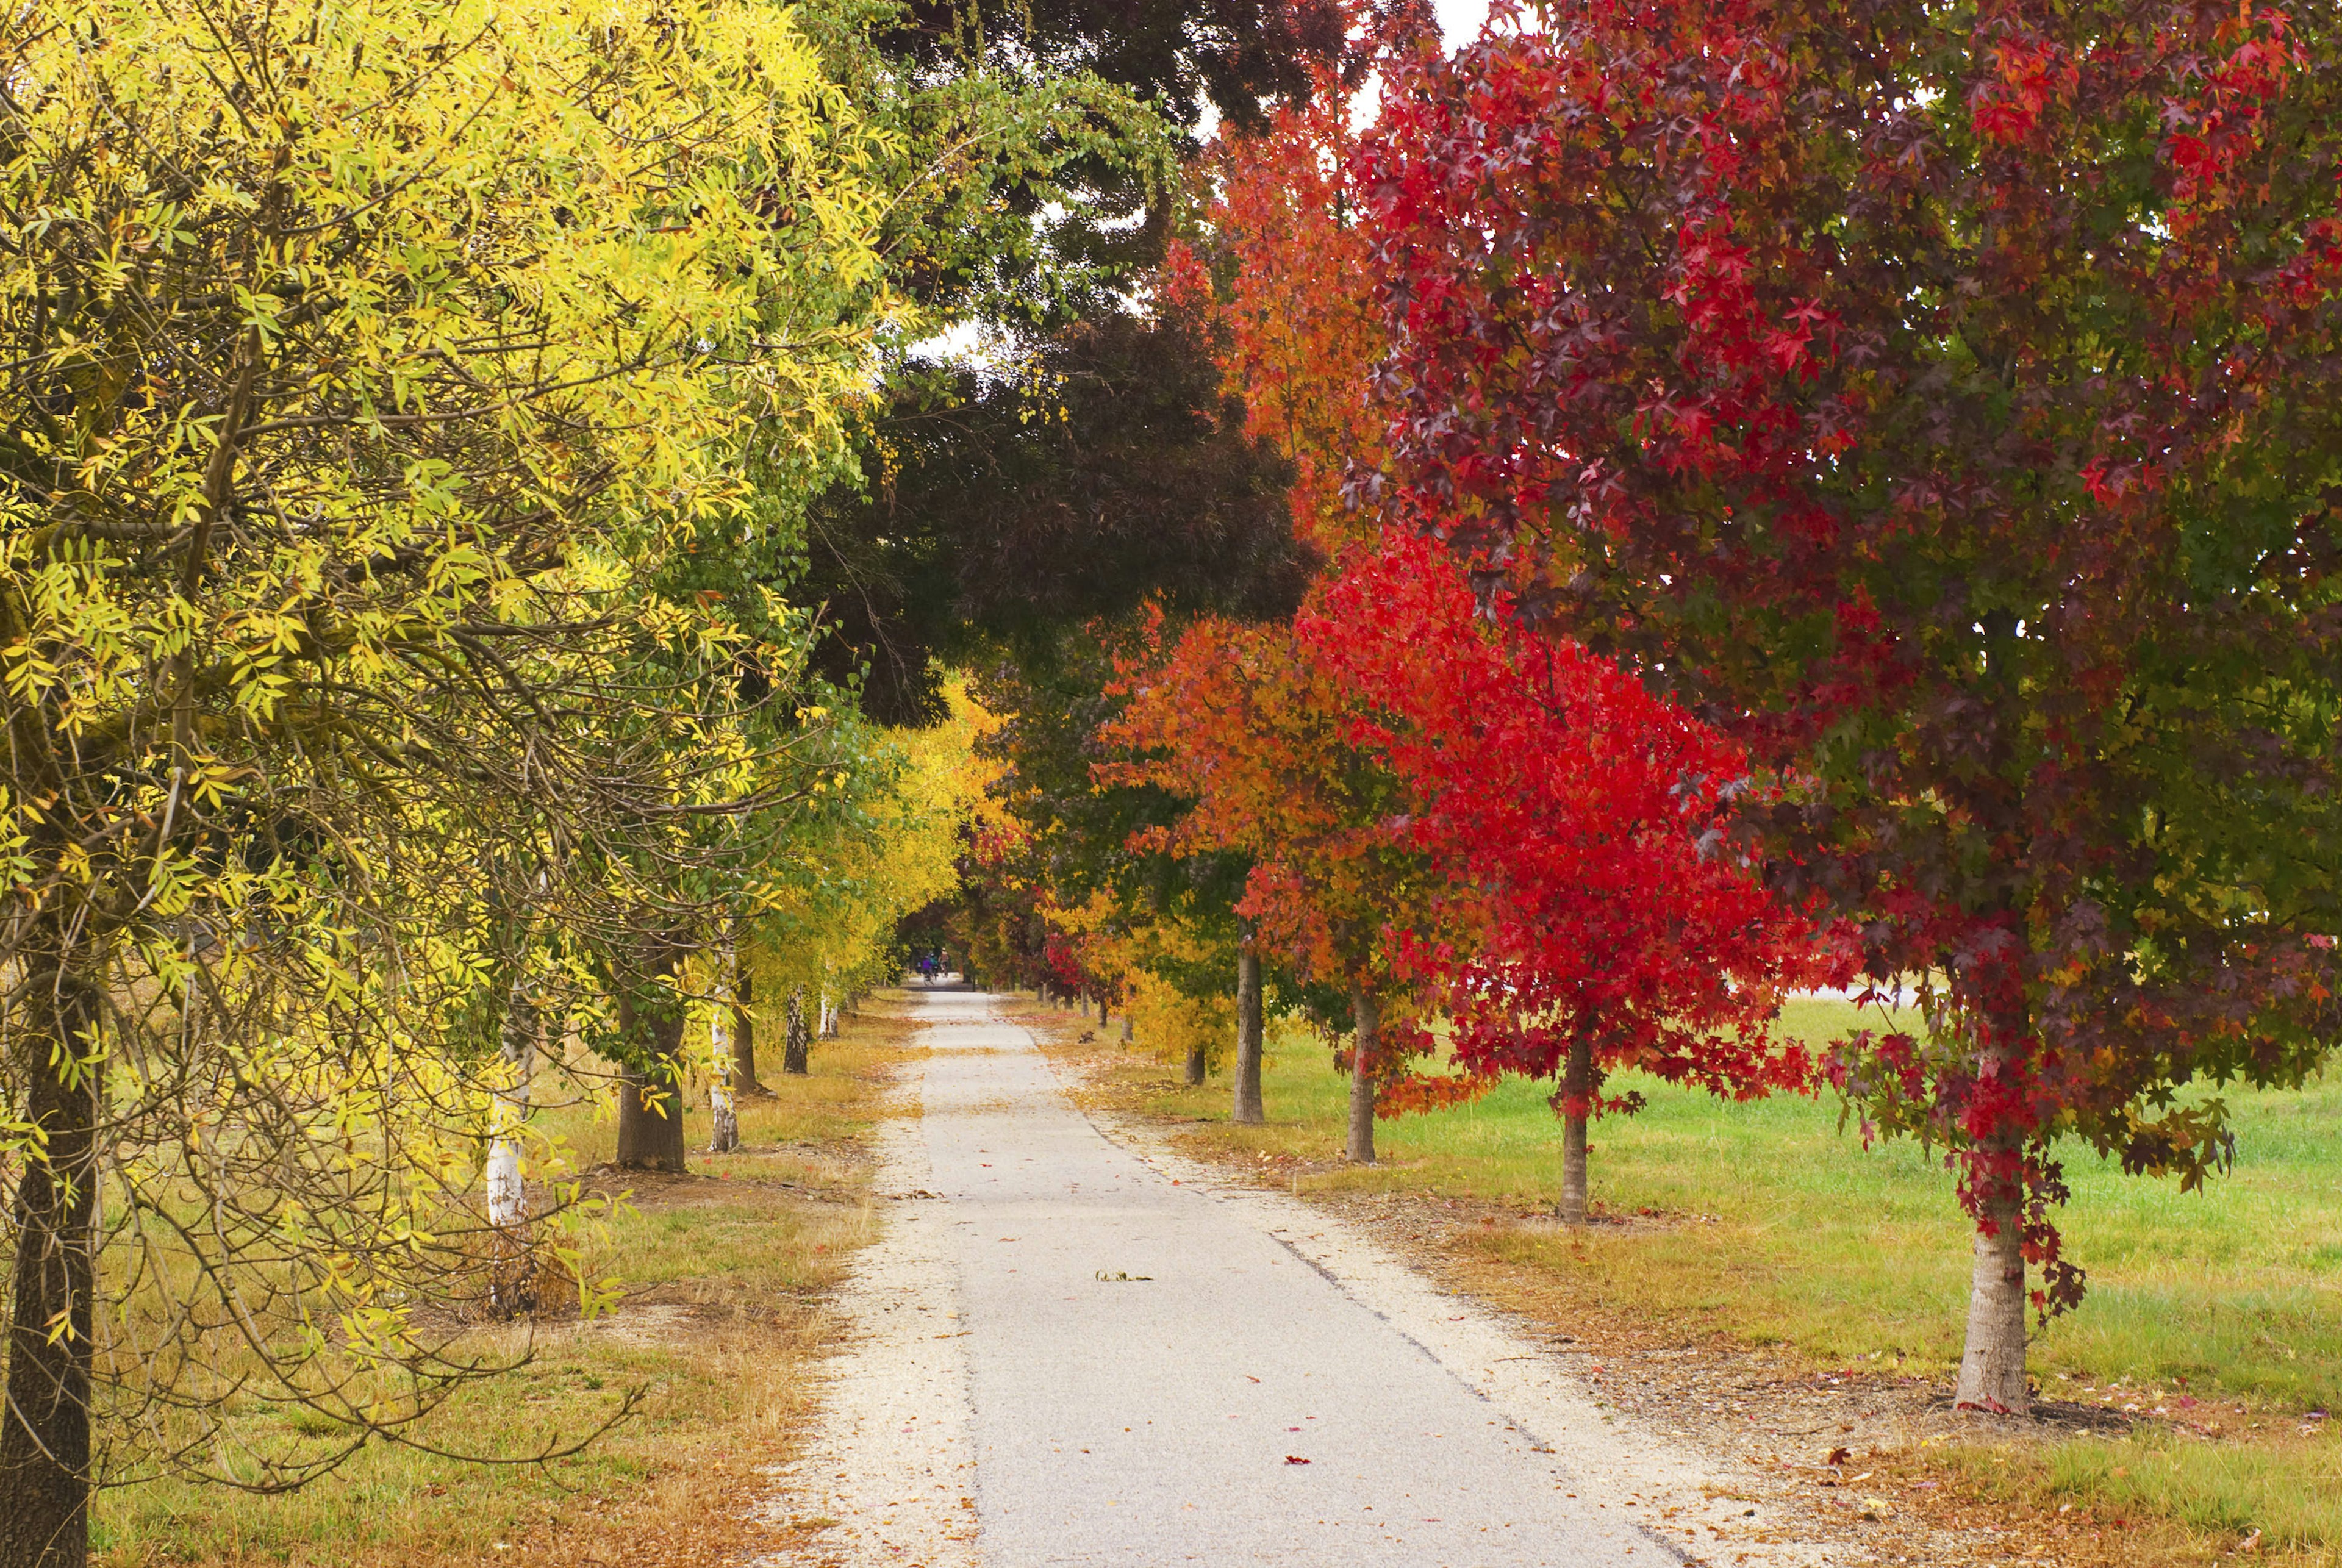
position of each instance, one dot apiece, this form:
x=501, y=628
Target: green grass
x=2284, y=1486
x=396, y=1504
x=1769, y=1223
x=1790, y=1231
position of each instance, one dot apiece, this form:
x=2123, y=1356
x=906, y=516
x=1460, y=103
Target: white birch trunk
x=724, y=1135
x=507, y=1198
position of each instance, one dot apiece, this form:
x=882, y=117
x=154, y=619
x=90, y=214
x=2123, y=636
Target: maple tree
x=1291, y=339
x=1236, y=719
x=1561, y=810
x=1584, y=836
x=1919, y=392
x=1299, y=330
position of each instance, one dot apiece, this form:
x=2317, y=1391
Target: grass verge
x=725, y=1275
x=2214, y=1320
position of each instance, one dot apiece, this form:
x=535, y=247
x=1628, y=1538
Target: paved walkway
x=1079, y=1351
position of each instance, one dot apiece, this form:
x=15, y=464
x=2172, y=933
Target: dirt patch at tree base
x=1873, y=1459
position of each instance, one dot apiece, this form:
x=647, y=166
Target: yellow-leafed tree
x=359, y=361
x=826, y=930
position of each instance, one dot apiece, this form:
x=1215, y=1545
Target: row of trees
x=1694, y=500
x=1800, y=494
x=477, y=517
x=367, y=370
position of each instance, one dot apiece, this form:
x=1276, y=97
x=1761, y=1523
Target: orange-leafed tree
x=1235, y=719
x=1300, y=328
x=1296, y=334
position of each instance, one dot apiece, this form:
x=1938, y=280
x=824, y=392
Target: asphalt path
x=1082, y=1350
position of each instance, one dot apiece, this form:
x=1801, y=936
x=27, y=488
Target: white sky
x=1459, y=23
x=1459, y=19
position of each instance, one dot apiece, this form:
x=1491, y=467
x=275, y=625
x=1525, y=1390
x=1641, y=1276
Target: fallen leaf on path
x=1295, y=1459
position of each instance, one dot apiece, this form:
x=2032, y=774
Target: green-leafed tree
x=1084, y=459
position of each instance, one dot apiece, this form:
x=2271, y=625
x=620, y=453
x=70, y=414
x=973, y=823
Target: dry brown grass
x=721, y=1324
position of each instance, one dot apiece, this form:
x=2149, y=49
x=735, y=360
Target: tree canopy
x=527, y=534
x=1920, y=395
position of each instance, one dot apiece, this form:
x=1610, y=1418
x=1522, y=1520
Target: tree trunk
x=1367, y=1014
x=1992, y=1368
x=45, y=1438
x=743, y=1035
x=1992, y=1364
x=723, y=1113
x=1248, y=1109
x=650, y=1100
x=1126, y=1029
x=1103, y=1019
x=508, y=1201
x=1196, y=1066
x=512, y=1275
x=1576, y=1089
x=795, y=1049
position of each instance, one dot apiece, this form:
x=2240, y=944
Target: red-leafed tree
x=1600, y=913
x=1516, y=830
x=1940, y=399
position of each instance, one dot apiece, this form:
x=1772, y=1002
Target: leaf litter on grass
x=1941, y=1486
x=722, y=1316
